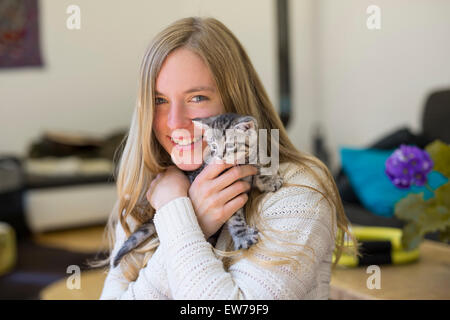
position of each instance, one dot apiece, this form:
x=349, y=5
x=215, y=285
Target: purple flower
x=408, y=165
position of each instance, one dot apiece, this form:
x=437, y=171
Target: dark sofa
x=435, y=125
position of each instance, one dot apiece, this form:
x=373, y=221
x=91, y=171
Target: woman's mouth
x=185, y=143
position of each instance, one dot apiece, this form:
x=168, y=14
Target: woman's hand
x=216, y=198
x=167, y=186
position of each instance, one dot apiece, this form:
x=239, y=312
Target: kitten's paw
x=246, y=239
x=277, y=183
x=273, y=184
x=269, y=183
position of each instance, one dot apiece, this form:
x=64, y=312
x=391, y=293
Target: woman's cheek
x=207, y=109
x=158, y=120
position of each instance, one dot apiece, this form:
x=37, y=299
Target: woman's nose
x=177, y=117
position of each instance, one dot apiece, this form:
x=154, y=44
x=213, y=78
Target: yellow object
x=398, y=254
x=85, y=240
x=8, y=248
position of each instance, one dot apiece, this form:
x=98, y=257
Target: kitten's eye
x=199, y=98
x=159, y=100
x=213, y=146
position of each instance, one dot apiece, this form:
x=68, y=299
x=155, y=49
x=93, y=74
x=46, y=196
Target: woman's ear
x=247, y=123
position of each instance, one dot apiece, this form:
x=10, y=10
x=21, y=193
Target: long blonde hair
x=241, y=92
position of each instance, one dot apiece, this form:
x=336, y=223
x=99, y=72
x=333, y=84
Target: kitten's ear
x=200, y=123
x=247, y=123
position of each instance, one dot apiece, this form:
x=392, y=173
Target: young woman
x=197, y=68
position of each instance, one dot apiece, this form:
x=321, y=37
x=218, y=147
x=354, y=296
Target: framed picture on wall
x=19, y=34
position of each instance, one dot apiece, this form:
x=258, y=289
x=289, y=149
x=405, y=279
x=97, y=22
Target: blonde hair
x=241, y=92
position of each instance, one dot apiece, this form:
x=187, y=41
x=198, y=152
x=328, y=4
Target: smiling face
x=185, y=89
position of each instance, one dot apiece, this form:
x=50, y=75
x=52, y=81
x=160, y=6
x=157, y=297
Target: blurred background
x=349, y=73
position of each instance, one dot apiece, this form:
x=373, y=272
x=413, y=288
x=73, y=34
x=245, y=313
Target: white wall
x=89, y=81
x=371, y=82
x=303, y=71
x=361, y=83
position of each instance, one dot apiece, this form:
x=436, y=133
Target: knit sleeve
x=149, y=285
x=194, y=271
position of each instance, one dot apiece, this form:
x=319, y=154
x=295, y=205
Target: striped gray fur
x=221, y=146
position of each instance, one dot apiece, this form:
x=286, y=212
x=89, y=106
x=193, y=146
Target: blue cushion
x=365, y=170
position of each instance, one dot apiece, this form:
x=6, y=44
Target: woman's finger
x=234, y=190
x=234, y=205
x=214, y=169
x=236, y=173
x=152, y=186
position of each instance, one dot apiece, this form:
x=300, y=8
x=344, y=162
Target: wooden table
x=427, y=278
x=86, y=240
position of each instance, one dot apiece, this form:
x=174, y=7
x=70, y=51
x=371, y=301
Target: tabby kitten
x=229, y=146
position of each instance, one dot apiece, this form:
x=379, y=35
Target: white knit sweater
x=184, y=266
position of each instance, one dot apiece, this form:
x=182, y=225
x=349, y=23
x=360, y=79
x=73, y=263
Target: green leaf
x=440, y=153
x=411, y=236
x=443, y=195
x=410, y=207
x=436, y=217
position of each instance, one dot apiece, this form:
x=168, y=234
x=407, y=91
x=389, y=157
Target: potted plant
x=410, y=165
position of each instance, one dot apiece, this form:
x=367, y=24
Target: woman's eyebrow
x=195, y=89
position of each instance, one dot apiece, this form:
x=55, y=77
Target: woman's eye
x=199, y=98
x=159, y=100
